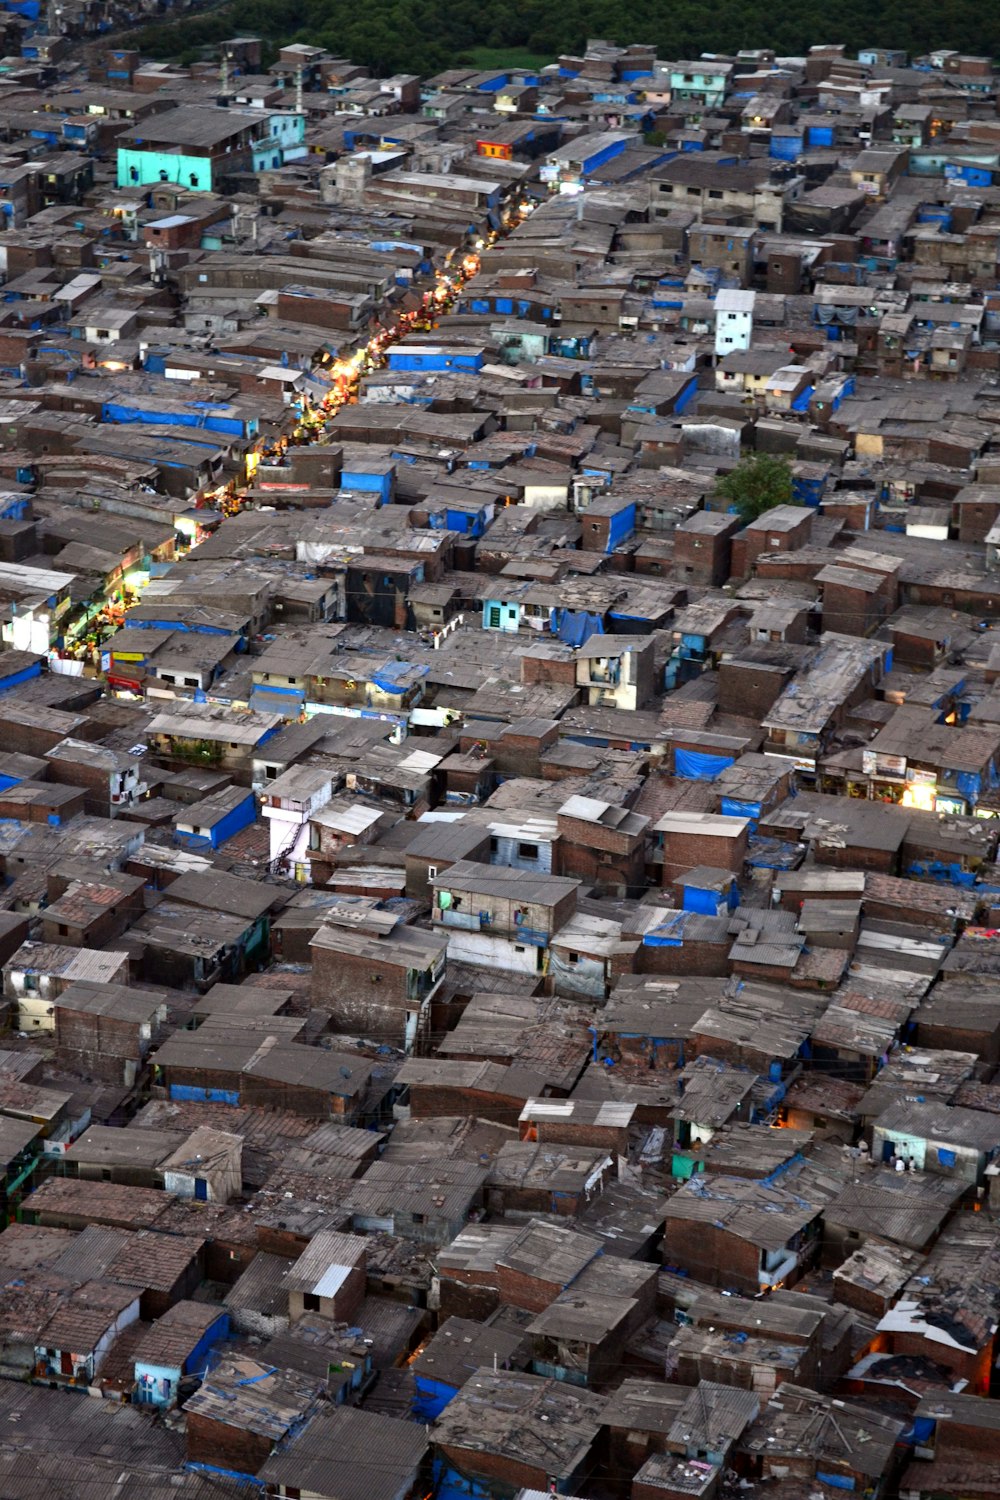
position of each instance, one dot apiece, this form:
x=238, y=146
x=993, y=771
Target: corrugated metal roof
x=79, y=1324
x=328, y=1252
x=261, y=1287
x=352, y=1454
x=254, y=1398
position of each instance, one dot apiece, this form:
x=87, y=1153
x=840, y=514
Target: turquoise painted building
x=179, y=1344
x=285, y=141
x=701, y=83
x=196, y=148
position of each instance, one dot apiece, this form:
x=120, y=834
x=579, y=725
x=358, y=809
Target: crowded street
x=346, y=372
x=91, y=625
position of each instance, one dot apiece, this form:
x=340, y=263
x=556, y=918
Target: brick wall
x=504, y=1468
x=103, y=1065
x=788, y=565
x=362, y=994
x=318, y=312
x=966, y=1364
x=290, y=943
x=975, y=520
x=750, y=689
x=852, y=858
x=866, y=1300
x=939, y=1035
x=439, y=1101
x=343, y=1306
x=84, y=1032
x=312, y=1103
x=467, y=1298
x=685, y=851
x=223, y=1447
x=35, y=739
x=737, y=1054
x=538, y=669
x=596, y=835
x=700, y=960
x=703, y=557
x=523, y=1290
x=520, y=754
x=622, y=871
x=961, y=1441
x=565, y=1133
x=694, y=1367
x=711, y=1255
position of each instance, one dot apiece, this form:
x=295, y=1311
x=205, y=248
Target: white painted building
x=733, y=320
x=288, y=804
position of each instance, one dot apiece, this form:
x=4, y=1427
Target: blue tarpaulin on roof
x=386, y=684
x=576, y=626
x=920, y=1430
x=397, y=676
x=946, y=874
x=695, y=765
x=621, y=527
x=669, y=934
x=773, y=854
x=970, y=785
x=696, y=899
x=15, y=678
x=212, y=420
x=193, y=1093
x=271, y=700
x=732, y=807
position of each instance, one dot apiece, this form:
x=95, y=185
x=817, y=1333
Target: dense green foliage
x=423, y=36
x=757, y=485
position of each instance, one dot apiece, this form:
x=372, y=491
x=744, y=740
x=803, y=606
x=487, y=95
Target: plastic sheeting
x=970, y=786
x=695, y=765
x=192, y=1093
x=621, y=527
x=920, y=1431
x=847, y=316
x=285, y=701
x=584, y=978
x=774, y=854
x=732, y=807
x=945, y=874
x=397, y=677
x=576, y=626
x=696, y=899
x=670, y=934
x=201, y=416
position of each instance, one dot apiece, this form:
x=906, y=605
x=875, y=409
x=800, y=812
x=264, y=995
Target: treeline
x=423, y=36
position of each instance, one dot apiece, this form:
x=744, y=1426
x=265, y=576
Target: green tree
x=757, y=485
x=423, y=36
